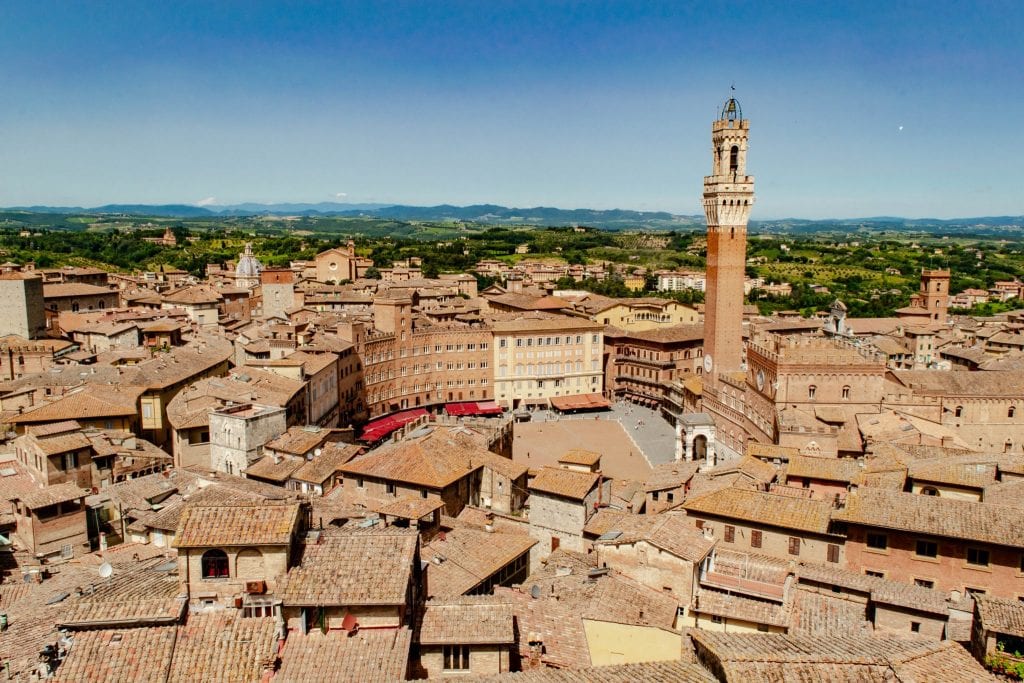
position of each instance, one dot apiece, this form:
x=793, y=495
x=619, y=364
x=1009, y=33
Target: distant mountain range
x=611, y=219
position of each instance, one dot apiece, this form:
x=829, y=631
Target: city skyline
x=860, y=110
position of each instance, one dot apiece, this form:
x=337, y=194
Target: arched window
x=1011, y=411
x=811, y=391
x=734, y=159
x=958, y=412
x=930, y=491
x=846, y=392
x=215, y=564
x=74, y=306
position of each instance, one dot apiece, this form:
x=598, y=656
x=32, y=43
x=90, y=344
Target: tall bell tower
x=728, y=196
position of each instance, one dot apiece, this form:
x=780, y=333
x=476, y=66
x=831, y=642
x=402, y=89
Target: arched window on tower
x=1011, y=411
x=734, y=159
x=958, y=412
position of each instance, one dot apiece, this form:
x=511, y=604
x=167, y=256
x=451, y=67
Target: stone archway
x=689, y=429
x=249, y=564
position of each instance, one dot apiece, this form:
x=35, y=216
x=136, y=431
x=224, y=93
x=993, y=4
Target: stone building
x=227, y=551
x=466, y=636
x=562, y=501
x=239, y=432
x=21, y=299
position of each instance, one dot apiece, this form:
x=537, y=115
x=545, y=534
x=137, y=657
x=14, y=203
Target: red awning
x=381, y=427
x=473, y=408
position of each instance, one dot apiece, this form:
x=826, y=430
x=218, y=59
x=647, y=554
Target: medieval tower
x=728, y=196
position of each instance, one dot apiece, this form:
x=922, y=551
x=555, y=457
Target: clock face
x=760, y=379
x=708, y=363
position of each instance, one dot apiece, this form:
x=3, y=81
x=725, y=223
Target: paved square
x=536, y=444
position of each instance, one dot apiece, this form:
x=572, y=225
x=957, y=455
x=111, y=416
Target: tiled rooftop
x=204, y=526
x=467, y=621
x=565, y=483
x=367, y=656
x=913, y=513
x=763, y=508
x=350, y=568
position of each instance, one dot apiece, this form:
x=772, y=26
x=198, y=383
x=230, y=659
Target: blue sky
x=568, y=104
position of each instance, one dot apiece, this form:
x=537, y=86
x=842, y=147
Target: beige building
x=466, y=636
x=226, y=551
x=647, y=313
x=538, y=357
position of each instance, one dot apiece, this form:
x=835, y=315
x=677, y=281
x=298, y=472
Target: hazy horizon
x=856, y=109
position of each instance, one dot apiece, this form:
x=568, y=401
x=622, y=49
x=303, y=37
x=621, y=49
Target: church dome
x=248, y=265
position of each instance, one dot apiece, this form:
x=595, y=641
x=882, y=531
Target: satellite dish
x=106, y=571
x=534, y=591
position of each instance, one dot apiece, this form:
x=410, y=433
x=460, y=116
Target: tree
x=372, y=273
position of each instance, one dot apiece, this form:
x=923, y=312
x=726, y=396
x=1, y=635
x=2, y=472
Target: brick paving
x=627, y=451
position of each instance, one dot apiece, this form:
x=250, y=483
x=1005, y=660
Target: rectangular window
x=927, y=549
x=878, y=541
x=456, y=658
x=730, y=533
x=971, y=592
x=915, y=627
x=924, y=583
x=876, y=574
x=715, y=619
x=833, y=552
x=755, y=539
x=390, y=488
x=977, y=557
x=794, y=545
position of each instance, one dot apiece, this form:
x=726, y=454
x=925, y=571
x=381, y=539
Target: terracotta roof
x=51, y=495
x=191, y=406
x=1000, y=615
x=826, y=469
x=465, y=557
x=60, y=443
x=578, y=456
x=322, y=467
x=274, y=468
x=145, y=595
x=203, y=526
x=298, y=440
x=881, y=590
x=944, y=471
x=195, y=294
x=763, y=508
x=224, y=646
x=671, y=475
x=955, y=384
x=672, y=532
x=967, y=520
x=723, y=604
x=1005, y=493
x=135, y=654
x=59, y=290
x=777, y=657
x=467, y=621
x=436, y=460
x=91, y=402
x=409, y=508
x=676, y=334
x=654, y=672
x=822, y=613
x=366, y=656
x=353, y=568
x=565, y=483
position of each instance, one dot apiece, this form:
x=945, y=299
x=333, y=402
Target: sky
x=856, y=109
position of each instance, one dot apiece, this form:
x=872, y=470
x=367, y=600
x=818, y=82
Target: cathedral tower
x=728, y=196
